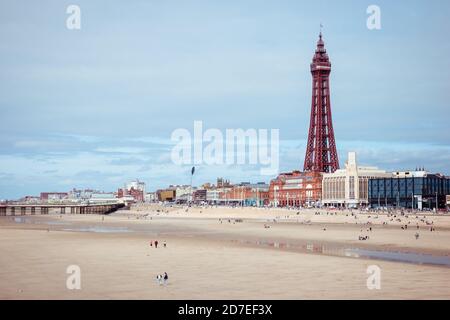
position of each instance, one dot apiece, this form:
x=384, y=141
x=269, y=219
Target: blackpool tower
x=321, y=155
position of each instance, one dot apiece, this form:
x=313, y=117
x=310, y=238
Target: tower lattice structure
x=321, y=155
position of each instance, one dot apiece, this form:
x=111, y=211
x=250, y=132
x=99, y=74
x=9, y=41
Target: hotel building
x=295, y=189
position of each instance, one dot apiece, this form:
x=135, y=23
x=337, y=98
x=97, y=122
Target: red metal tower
x=321, y=155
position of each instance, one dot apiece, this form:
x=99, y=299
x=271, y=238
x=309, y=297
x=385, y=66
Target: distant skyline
x=94, y=108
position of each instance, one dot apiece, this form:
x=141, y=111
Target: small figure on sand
x=417, y=235
x=166, y=278
x=156, y=244
x=165, y=244
x=159, y=279
x=151, y=243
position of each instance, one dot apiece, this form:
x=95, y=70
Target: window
x=388, y=188
x=352, y=188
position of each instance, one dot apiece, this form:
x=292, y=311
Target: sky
x=96, y=107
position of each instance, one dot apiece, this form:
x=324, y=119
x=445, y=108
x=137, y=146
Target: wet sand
x=209, y=259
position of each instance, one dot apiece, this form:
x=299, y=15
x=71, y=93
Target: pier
x=17, y=209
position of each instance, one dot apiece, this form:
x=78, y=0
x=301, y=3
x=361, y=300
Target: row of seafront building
x=351, y=187
x=223, y=192
x=357, y=186
x=133, y=191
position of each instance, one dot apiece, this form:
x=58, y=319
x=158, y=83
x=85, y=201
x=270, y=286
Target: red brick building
x=138, y=195
x=247, y=194
x=295, y=189
x=199, y=195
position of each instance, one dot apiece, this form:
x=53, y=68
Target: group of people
x=162, y=279
x=366, y=237
x=156, y=244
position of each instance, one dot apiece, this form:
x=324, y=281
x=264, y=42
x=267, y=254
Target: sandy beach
x=225, y=253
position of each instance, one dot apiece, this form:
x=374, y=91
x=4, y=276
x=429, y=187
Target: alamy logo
x=237, y=146
x=73, y=21
x=374, y=20
x=374, y=279
x=73, y=281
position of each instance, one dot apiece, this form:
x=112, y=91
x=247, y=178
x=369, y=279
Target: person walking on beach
x=165, y=244
x=156, y=244
x=166, y=278
x=160, y=279
x=151, y=243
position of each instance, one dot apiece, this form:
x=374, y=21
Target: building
x=136, y=185
x=213, y=196
x=30, y=199
x=99, y=197
x=348, y=187
x=296, y=189
x=258, y=195
x=182, y=192
x=223, y=183
x=207, y=185
x=76, y=195
x=136, y=194
x=410, y=189
x=247, y=194
x=53, y=196
x=166, y=194
x=150, y=197
x=134, y=189
x=199, y=196
x=321, y=154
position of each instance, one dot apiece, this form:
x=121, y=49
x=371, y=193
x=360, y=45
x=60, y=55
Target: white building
x=136, y=185
x=349, y=186
x=183, y=192
x=81, y=195
x=213, y=195
x=150, y=197
x=102, y=197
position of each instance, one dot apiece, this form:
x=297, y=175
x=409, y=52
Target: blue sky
x=96, y=107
